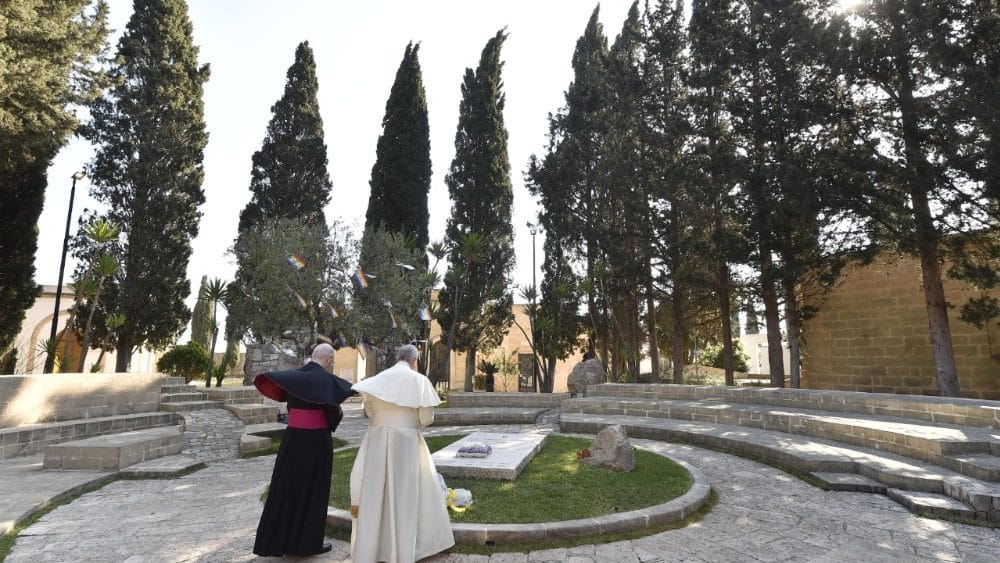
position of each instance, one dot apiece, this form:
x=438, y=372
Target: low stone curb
x=634, y=520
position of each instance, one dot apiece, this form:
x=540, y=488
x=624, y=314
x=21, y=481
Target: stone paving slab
x=763, y=514
x=25, y=486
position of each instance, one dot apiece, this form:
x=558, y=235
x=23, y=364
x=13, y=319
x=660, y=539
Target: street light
x=50, y=359
x=533, y=229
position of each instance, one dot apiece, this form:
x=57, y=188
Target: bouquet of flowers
x=458, y=499
x=475, y=449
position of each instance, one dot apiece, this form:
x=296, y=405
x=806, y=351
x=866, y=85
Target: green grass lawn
x=554, y=485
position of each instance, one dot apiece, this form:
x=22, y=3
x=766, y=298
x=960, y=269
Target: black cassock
x=294, y=517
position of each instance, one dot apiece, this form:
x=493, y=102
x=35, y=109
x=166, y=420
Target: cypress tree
x=401, y=176
x=201, y=318
x=45, y=68
x=289, y=178
x=289, y=182
x=714, y=152
x=475, y=301
x=150, y=135
x=906, y=52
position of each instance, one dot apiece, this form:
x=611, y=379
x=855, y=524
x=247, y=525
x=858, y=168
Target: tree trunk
x=651, y=337
x=794, y=330
x=211, y=351
x=90, y=321
x=470, y=370
x=927, y=234
x=677, y=310
x=724, y=292
x=123, y=354
x=772, y=318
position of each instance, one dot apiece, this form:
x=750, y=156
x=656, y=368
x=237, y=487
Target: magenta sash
x=307, y=419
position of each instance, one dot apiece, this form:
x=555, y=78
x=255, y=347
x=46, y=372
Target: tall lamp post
x=50, y=358
x=533, y=229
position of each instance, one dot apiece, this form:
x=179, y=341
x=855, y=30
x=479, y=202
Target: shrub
x=713, y=357
x=188, y=361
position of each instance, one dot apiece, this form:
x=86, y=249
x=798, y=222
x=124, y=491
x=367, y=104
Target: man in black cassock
x=294, y=517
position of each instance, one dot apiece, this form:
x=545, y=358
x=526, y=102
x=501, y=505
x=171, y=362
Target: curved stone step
x=919, y=440
x=186, y=406
x=253, y=413
x=932, y=505
x=115, y=451
x=177, y=388
x=162, y=468
x=486, y=415
x=807, y=454
x=182, y=397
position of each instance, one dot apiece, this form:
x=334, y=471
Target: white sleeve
x=425, y=415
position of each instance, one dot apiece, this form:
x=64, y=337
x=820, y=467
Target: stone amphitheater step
x=932, y=505
x=34, y=438
x=234, y=395
x=807, y=454
x=162, y=468
x=253, y=413
x=520, y=400
x=182, y=397
x=980, y=466
x=486, y=415
x=941, y=410
x=177, y=388
x=115, y=451
x=187, y=406
x=173, y=381
x=933, y=443
x=850, y=482
x=267, y=429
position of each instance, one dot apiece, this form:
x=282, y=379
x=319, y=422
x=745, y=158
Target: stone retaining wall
x=530, y=400
x=965, y=412
x=32, y=399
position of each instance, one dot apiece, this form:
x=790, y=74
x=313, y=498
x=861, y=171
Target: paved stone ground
x=212, y=434
x=763, y=515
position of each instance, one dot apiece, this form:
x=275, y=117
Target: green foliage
x=475, y=303
x=187, y=360
x=201, y=318
x=401, y=176
x=395, y=288
x=150, y=135
x=289, y=177
x=47, y=69
x=101, y=233
x=264, y=298
x=713, y=356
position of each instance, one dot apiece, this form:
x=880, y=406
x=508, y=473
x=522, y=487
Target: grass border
x=8, y=540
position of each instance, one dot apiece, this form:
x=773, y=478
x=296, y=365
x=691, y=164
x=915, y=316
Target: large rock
x=611, y=449
x=587, y=372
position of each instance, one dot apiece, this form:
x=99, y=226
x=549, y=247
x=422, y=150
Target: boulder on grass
x=612, y=450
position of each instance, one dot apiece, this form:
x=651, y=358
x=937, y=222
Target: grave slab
x=511, y=453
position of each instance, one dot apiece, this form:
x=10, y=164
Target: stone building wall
x=871, y=334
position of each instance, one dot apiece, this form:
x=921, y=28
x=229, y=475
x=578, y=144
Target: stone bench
x=115, y=451
x=967, y=450
x=942, y=410
x=486, y=415
x=828, y=461
x=253, y=413
x=34, y=438
x=520, y=400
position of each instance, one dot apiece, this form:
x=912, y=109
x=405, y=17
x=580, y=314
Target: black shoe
x=327, y=548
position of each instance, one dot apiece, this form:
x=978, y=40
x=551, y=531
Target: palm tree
x=102, y=232
x=215, y=291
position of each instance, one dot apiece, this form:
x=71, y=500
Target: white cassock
x=401, y=514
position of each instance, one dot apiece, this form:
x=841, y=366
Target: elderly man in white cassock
x=399, y=513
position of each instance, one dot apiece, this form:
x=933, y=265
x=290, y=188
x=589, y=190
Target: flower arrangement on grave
x=475, y=449
x=584, y=453
x=458, y=499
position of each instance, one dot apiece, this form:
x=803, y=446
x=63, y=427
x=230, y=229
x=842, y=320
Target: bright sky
x=358, y=46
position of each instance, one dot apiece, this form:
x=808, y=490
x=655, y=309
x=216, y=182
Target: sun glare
x=847, y=5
